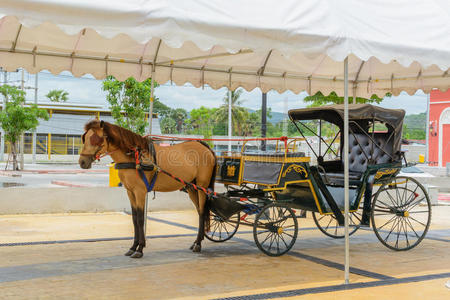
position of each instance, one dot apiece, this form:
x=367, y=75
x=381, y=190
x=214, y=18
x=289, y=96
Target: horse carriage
x=264, y=189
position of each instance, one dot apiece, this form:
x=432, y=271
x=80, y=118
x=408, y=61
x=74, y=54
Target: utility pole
x=33, y=146
x=22, y=142
x=263, y=120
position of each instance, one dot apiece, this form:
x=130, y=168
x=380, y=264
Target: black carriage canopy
x=362, y=115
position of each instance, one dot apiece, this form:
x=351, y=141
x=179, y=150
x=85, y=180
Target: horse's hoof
x=137, y=254
x=196, y=248
x=129, y=252
x=192, y=247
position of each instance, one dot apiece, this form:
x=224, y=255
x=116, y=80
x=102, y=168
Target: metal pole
x=2, y=142
x=354, y=94
x=427, y=134
x=230, y=120
x=22, y=141
x=33, y=146
x=150, y=114
x=49, y=145
x=263, y=120
x=346, y=166
x=286, y=119
x=150, y=120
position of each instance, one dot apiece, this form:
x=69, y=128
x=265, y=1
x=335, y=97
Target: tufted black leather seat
x=360, y=156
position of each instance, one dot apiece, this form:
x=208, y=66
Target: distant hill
x=412, y=122
x=276, y=116
x=416, y=122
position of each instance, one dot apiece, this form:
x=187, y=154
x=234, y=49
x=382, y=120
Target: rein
x=140, y=168
x=98, y=156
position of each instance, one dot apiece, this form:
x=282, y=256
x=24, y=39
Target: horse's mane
x=123, y=138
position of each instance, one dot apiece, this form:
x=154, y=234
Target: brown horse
x=192, y=161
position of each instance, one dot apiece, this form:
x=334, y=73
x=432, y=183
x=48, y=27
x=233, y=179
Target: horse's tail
x=207, y=213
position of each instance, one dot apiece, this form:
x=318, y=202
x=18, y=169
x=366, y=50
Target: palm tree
x=239, y=114
x=179, y=115
x=57, y=96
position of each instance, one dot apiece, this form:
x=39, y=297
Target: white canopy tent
x=392, y=46
x=386, y=46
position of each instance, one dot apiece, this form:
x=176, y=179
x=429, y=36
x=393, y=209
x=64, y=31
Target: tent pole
x=2, y=142
x=346, y=166
x=229, y=121
x=150, y=114
x=33, y=147
x=150, y=118
x=427, y=133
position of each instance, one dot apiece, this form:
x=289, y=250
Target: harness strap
x=132, y=165
x=144, y=179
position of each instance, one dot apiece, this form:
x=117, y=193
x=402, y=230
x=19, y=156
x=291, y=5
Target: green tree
x=239, y=114
x=130, y=101
x=16, y=118
x=179, y=116
x=168, y=125
x=57, y=96
x=320, y=99
x=201, y=120
x=251, y=126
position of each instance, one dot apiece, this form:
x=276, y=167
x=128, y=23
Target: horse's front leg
x=140, y=220
x=135, y=224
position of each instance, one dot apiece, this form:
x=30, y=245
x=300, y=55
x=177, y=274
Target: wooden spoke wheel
x=275, y=229
x=330, y=226
x=401, y=213
x=222, y=230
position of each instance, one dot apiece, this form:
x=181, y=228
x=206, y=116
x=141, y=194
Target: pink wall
x=438, y=102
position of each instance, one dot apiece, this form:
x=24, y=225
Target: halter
x=98, y=155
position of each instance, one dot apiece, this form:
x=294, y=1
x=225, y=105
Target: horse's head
x=94, y=143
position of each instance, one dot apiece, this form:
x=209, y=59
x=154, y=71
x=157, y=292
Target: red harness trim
x=98, y=156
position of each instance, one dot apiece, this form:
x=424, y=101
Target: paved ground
x=75, y=268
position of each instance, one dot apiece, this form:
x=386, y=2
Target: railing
x=56, y=144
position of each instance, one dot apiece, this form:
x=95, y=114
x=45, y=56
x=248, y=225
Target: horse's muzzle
x=85, y=162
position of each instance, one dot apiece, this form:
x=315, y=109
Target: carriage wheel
x=275, y=229
x=330, y=226
x=222, y=230
x=401, y=213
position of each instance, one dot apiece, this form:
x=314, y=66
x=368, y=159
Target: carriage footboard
x=328, y=197
x=223, y=206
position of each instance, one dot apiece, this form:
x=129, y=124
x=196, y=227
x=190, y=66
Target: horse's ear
x=102, y=123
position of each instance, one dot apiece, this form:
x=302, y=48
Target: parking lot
x=81, y=256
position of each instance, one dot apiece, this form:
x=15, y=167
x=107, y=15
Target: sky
x=87, y=90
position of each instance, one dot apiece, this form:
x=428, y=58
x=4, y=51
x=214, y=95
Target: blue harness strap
x=144, y=179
